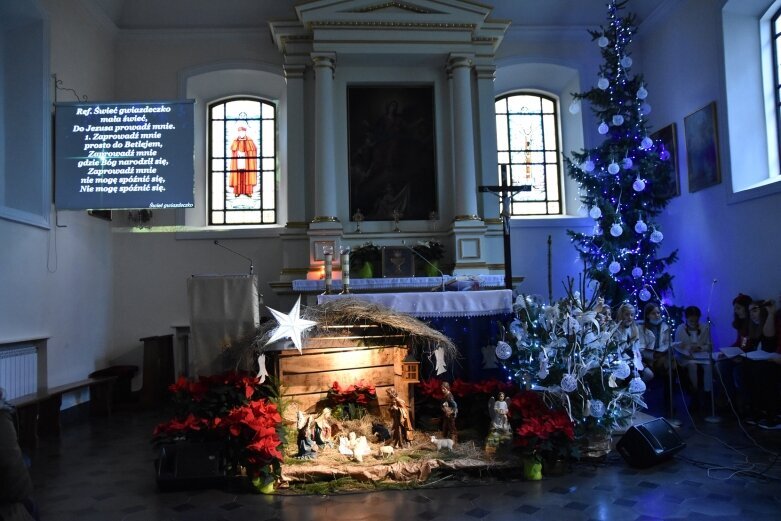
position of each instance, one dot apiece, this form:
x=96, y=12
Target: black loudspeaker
x=188, y=465
x=649, y=443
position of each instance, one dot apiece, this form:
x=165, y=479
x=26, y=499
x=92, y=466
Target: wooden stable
x=345, y=354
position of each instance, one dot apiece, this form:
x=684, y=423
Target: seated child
x=695, y=338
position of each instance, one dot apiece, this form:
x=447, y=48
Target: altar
x=471, y=319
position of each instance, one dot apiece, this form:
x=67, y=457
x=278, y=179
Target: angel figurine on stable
x=499, y=411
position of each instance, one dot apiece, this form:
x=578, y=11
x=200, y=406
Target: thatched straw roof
x=354, y=311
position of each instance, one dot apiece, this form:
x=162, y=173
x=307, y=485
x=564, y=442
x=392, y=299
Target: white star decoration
x=290, y=325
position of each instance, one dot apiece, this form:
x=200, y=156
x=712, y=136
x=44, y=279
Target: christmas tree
x=626, y=181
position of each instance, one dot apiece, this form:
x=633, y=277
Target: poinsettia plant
x=233, y=408
x=351, y=402
x=541, y=430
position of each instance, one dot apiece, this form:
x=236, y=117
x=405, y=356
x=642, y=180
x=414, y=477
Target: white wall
x=735, y=243
x=58, y=282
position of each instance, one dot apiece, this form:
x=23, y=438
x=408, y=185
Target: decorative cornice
x=400, y=5
x=396, y=25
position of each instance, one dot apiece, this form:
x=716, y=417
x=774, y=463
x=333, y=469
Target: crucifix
x=505, y=192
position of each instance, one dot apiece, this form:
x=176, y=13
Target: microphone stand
x=441, y=273
x=251, y=265
x=713, y=418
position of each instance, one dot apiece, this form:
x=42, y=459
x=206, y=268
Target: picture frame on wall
x=391, y=152
x=702, y=148
x=667, y=138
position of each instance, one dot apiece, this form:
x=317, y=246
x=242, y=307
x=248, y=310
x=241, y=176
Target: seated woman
x=695, y=341
x=761, y=376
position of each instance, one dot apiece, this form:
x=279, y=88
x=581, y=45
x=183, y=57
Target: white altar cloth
x=432, y=304
x=400, y=284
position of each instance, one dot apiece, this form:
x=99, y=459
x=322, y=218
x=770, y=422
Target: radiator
x=18, y=370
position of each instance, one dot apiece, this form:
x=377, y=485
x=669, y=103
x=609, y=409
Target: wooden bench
x=39, y=413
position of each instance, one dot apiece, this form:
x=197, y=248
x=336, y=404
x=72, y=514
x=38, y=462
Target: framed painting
x=702, y=148
x=397, y=262
x=392, y=152
x=666, y=137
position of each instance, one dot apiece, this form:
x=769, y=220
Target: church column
x=488, y=203
x=293, y=237
x=463, y=139
x=325, y=173
x=296, y=143
x=486, y=132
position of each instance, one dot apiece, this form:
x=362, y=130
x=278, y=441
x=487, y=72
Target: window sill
x=764, y=188
x=552, y=221
x=184, y=233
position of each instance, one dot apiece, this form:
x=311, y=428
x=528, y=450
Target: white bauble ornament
x=614, y=267
x=622, y=370
x=595, y=212
x=569, y=383
x=626, y=62
x=597, y=408
x=613, y=168
x=602, y=41
x=644, y=295
x=574, y=107
x=627, y=163
x=641, y=227
x=616, y=230
x=587, y=166
x=618, y=120
x=642, y=93
x=637, y=385
x=638, y=185
x=646, y=143
x=603, y=83
x=664, y=155
x=603, y=128
x=582, y=212
x=503, y=350
x=645, y=109
x=656, y=237
x=637, y=272
x=597, y=230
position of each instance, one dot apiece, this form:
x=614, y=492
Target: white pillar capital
x=324, y=60
x=457, y=60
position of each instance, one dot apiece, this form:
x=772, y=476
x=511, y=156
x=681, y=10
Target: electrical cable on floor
x=746, y=469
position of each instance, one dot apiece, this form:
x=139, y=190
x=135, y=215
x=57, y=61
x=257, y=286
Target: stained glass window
x=528, y=144
x=242, y=162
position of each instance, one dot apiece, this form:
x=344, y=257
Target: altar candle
x=328, y=261
x=345, y=259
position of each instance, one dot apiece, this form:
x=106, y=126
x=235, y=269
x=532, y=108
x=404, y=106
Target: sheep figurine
x=442, y=444
x=386, y=451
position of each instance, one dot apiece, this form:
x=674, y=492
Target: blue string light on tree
x=626, y=162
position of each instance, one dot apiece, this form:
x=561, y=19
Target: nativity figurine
x=401, y=429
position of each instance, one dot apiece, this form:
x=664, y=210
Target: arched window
x=242, y=162
x=528, y=143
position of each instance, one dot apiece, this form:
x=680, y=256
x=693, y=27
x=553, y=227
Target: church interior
x=376, y=127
